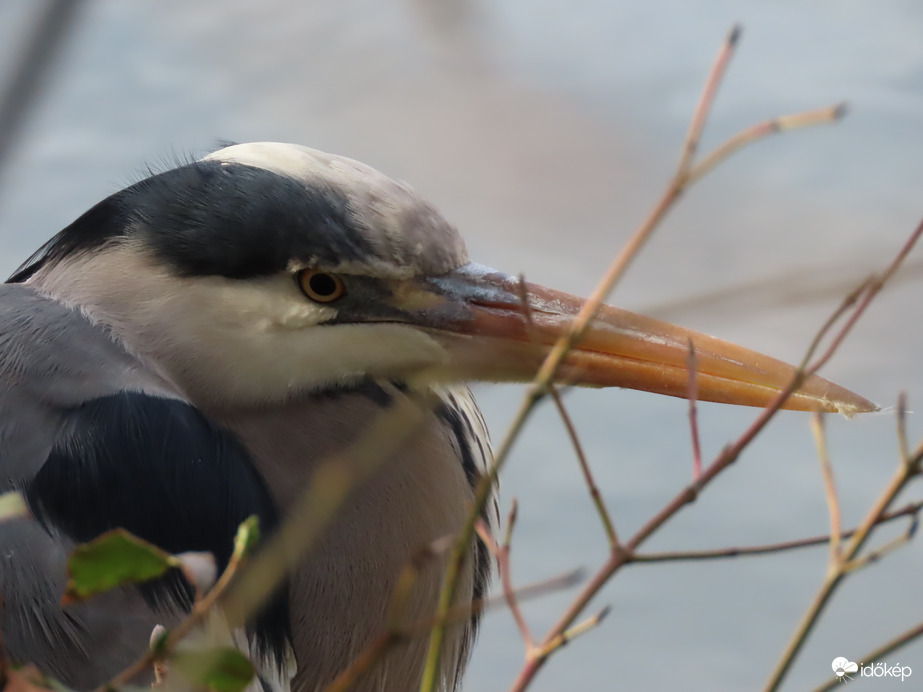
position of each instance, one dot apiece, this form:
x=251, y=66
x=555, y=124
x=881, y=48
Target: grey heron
x=185, y=353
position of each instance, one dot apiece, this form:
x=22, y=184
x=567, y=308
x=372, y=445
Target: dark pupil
x=323, y=284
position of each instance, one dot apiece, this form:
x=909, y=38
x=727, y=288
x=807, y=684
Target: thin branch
x=907, y=470
x=833, y=503
x=458, y=613
x=707, y=100
x=783, y=123
x=863, y=296
x=911, y=510
x=572, y=633
x=502, y=556
x=595, y=495
x=511, y=521
x=407, y=579
x=197, y=616
x=395, y=632
x=883, y=550
x=692, y=365
x=549, y=368
x=793, y=287
x=834, y=577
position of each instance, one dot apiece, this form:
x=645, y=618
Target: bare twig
x=908, y=469
x=883, y=550
x=707, y=99
x=501, y=554
x=692, y=365
x=395, y=632
x=458, y=613
x=820, y=116
x=911, y=510
x=548, y=370
x=511, y=521
x=565, y=637
x=595, y=495
x=859, y=300
x=407, y=579
x=833, y=503
x=819, y=285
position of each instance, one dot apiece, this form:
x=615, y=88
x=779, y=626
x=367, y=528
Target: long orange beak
x=477, y=314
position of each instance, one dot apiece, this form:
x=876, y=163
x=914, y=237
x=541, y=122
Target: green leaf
x=115, y=558
x=248, y=535
x=221, y=669
x=12, y=506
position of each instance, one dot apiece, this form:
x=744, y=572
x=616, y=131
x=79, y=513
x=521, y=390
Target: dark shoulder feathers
x=163, y=471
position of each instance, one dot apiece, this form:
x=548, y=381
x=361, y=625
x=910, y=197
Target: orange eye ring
x=321, y=286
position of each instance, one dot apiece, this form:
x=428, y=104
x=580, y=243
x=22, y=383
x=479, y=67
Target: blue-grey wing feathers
x=95, y=441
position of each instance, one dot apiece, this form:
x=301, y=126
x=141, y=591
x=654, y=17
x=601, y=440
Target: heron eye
x=321, y=287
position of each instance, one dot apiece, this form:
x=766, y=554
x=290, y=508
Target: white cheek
x=234, y=342
x=336, y=352
x=263, y=341
x=258, y=365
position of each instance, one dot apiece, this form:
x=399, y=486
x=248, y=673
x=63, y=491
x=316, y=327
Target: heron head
x=267, y=270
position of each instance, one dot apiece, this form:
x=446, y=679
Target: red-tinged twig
x=567, y=636
x=595, y=495
x=707, y=100
x=546, y=374
x=511, y=522
x=907, y=470
x=875, y=284
x=395, y=632
x=774, y=126
x=818, y=285
x=883, y=550
x=692, y=393
x=859, y=300
x=458, y=613
x=911, y=510
x=833, y=502
x=501, y=554
x=407, y=579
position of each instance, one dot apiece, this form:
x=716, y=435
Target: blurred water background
x=545, y=129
